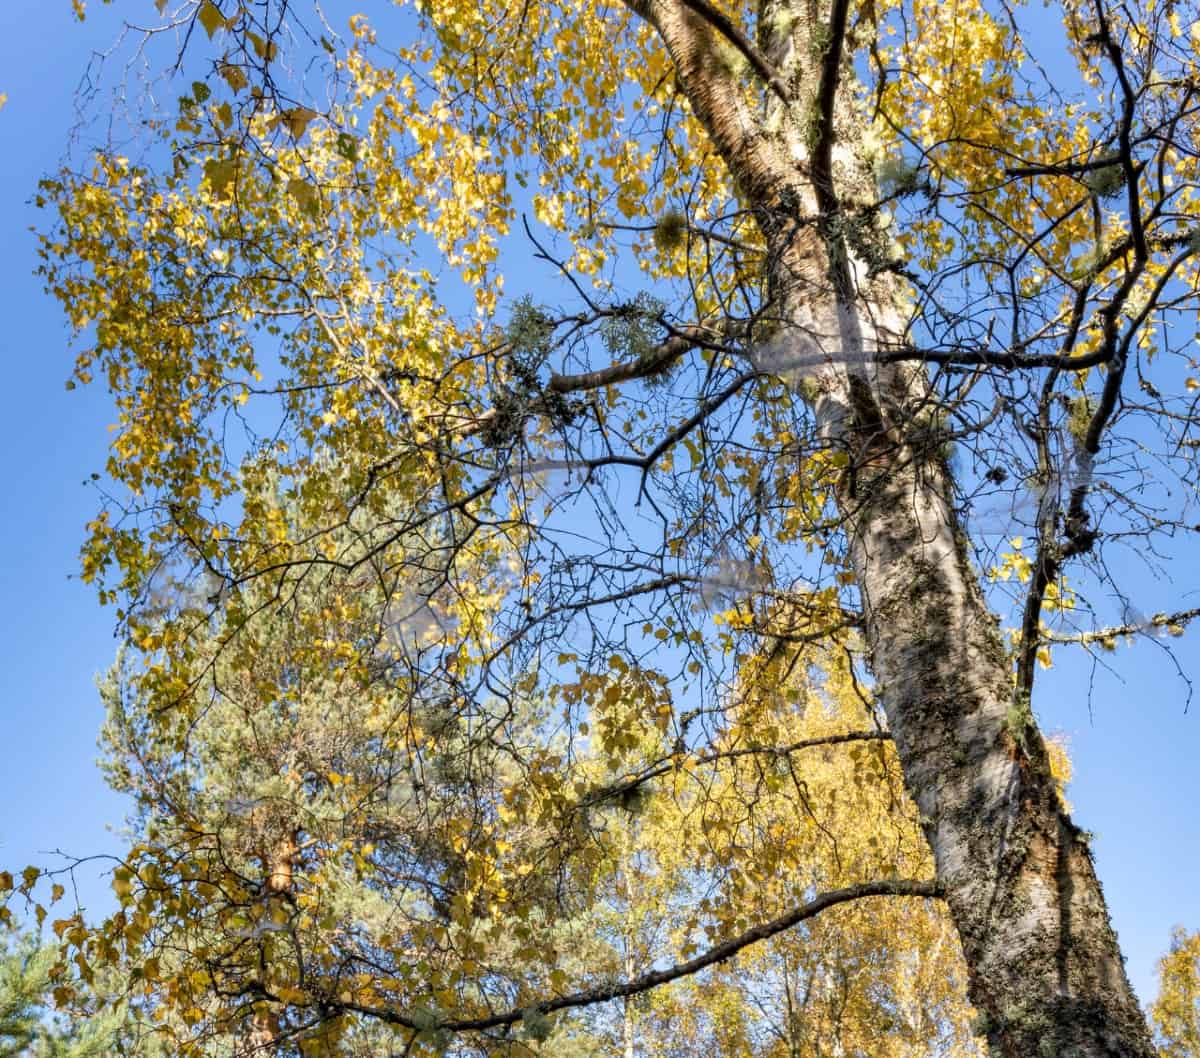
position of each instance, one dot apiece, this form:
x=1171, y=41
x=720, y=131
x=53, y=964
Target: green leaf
x=347, y=146
x=264, y=49
x=297, y=120
x=200, y=91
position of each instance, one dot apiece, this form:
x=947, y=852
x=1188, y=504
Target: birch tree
x=1175, y=1013
x=825, y=322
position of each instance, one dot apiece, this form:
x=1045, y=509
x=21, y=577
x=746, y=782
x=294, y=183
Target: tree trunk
x=1044, y=967
x=260, y=1035
x=1044, y=964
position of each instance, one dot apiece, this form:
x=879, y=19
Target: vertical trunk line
x=627, y=1026
x=279, y=864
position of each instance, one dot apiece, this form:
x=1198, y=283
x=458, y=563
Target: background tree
x=31, y=1027
x=1175, y=1013
x=895, y=275
x=322, y=845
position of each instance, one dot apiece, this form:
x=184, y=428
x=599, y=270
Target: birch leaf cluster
x=592, y=487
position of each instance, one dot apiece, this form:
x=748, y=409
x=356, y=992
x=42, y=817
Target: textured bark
x=260, y=1037
x=1045, y=969
x=1044, y=966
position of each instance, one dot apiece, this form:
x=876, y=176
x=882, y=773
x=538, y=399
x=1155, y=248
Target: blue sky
x=1137, y=784
x=54, y=636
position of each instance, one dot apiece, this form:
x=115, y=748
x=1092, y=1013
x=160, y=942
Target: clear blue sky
x=1137, y=782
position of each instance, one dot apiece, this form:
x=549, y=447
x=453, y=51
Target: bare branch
x=831, y=62
x=626, y=786
x=732, y=33
x=1164, y=622
x=662, y=356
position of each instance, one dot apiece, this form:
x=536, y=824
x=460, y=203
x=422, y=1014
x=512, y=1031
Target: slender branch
x=1164, y=621
x=614, y=790
x=694, y=229
x=1129, y=167
x=659, y=358
x=822, y=152
x=995, y=358
x=681, y=341
x=717, y=954
x=1066, y=168
x=706, y=409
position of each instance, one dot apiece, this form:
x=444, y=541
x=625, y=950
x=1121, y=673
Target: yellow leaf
x=220, y=173
x=234, y=76
x=297, y=120
x=264, y=49
x=210, y=18
x=305, y=195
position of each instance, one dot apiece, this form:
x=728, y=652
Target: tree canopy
x=1175, y=1013
x=592, y=488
